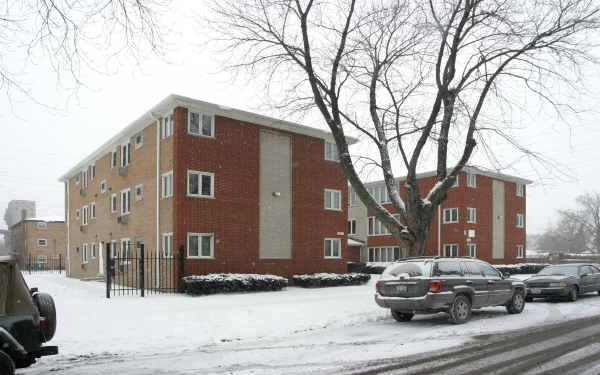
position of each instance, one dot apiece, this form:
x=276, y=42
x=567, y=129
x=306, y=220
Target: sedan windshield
x=558, y=270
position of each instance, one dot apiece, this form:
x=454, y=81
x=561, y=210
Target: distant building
x=483, y=216
x=39, y=239
x=16, y=211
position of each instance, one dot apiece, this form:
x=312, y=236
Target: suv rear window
x=413, y=269
x=445, y=268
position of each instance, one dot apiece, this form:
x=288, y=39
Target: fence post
x=142, y=277
x=60, y=264
x=108, y=263
x=181, y=270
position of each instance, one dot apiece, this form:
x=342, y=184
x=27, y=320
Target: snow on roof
x=48, y=219
x=352, y=242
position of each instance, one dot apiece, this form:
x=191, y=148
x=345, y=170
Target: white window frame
x=84, y=254
x=331, y=152
x=125, y=251
x=378, y=228
x=200, y=126
x=84, y=179
x=352, y=197
x=332, y=240
x=103, y=186
x=141, y=196
x=520, y=190
x=167, y=185
x=450, y=246
x=92, y=171
x=352, y=226
x=451, y=220
x=200, y=235
x=125, y=208
x=113, y=249
x=141, y=142
x=200, y=175
x=77, y=214
x=114, y=200
x=125, y=154
x=84, y=215
x=455, y=184
x=42, y=259
x=520, y=251
x=339, y=200
x=92, y=210
x=166, y=126
x=42, y=244
x=472, y=250
x=93, y=250
x=77, y=178
x=471, y=215
x=471, y=180
x=520, y=221
x=167, y=245
x=42, y=225
x=113, y=158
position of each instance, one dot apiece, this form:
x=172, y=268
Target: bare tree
x=565, y=236
x=587, y=217
x=70, y=35
x=413, y=78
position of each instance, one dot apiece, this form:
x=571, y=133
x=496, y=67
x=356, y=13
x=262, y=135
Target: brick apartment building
x=483, y=216
x=41, y=239
x=241, y=192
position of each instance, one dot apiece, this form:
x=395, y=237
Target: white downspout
x=439, y=228
x=68, y=218
x=157, y=200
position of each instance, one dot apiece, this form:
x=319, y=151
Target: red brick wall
x=233, y=215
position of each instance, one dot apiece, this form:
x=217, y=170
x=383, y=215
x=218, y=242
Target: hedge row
x=317, y=280
x=520, y=268
x=230, y=283
x=359, y=267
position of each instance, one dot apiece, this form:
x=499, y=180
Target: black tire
x=47, y=309
x=460, y=311
x=573, y=292
x=516, y=303
x=402, y=317
x=7, y=366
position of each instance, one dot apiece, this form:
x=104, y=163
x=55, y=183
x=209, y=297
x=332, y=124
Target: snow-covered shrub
x=230, y=283
x=316, y=280
x=370, y=268
x=520, y=268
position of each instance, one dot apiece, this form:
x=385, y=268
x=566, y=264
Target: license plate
x=401, y=288
x=535, y=291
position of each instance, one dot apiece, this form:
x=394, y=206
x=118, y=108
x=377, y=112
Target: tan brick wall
x=26, y=235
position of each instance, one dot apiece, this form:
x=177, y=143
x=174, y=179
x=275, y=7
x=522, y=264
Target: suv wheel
x=7, y=366
x=573, y=294
x=45, y=305
x=516, y=303
x=402, y=317
x=460, y=311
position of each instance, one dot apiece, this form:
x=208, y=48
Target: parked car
x=564, y=281
x=27, y=320
x=453, y=285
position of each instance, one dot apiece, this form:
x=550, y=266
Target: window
x=42, y=259
x=92, y=171
x=201, y=124
x=376, y=228
x=167, y=245
x=93, y=210
x=471, y=215
x=451, y=250
x=77, y=214
x=77, y=178
x=351, y=196
x=139, y=140
x=125, y=154
x=520, y=188
x=352, y=226
x=103, y=186
x=42, y=226
x=125, y=249
x=448, y=268
x=472, y=250
x=471, y=268
x=167, y=184
x=384, y=254
x=113, y=249
x=379, y=193
x=84, y=255
x=331, y=152
x=200, y=184
x=333, y=200
x=42, y=242
x=84, y=180
x=520, y=221
x=125, y=201
x=471, y=180
x=139, y=192
x=333, y=248
x=455, y=184
x=519, y=251
x=167, y=126
x=450, y=215
x=113, y=203
x=489, y=271
x=200, y=245
x=84, y=214
x=113, y=158
x=93, y=251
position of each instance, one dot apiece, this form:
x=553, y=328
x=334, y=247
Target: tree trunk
x=418, y=247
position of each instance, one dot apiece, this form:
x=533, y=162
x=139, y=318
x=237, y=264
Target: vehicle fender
x=12, y=343
x=463, y=289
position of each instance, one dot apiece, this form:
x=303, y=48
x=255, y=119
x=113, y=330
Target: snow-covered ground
x=269, y=332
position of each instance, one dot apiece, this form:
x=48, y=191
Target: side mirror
x=505, y=275
x=585, y=275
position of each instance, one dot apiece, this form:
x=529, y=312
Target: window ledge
x=334, y=209
x=201, y=135
x=200, y=196
x=199, y=257
x=326, y=257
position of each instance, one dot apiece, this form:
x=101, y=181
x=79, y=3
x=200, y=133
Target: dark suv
x=452, y=285
x=27, y=320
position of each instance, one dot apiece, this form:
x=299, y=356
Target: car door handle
x=491, y=281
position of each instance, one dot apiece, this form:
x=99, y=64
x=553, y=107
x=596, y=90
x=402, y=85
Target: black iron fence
x=44, y=263
x=140, y=273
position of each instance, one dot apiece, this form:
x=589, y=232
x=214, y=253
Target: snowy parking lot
x=296, y=330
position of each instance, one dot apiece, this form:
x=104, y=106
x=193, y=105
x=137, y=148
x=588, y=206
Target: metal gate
x=139, y=273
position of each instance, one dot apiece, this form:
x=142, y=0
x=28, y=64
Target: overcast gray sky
x=39, y=144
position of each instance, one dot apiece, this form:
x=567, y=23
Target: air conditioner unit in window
x=122, y=219
x=123, y=171
x=82, y=192
x=83, y=228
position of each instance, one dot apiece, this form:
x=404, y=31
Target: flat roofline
x=171, y=101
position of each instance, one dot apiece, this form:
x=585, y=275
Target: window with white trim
x=379, y=193
x=455, y=184
x=42, y=259
x=42, y=242
x=200, y=245
x=113, y=158
x=331, y=151
x=520, y=222
x=77, y=178
x=42, y=225
x=93, y=210
x=103, y=186
x=167, y=126
x=520, y=190
x=472, y=250
x=125, y=154
x=139, y=192
x=519, y=251
x=77, y=214
x=93, y=250
x=471, y=180
x=92, y=172
x=139, y=139
x=384, y=254
x=450, y=215
x=125, y=249
x=471, y=215
x=113, y=249
x=333, y=248
x=200, y=184
x=113, y=203
x=167, y=245
x=352, y=197
x=377, y=228
x=352, y=226
x=84, y=215
x=333, y=199
x=201, y=124
x=125, y=201
x=84, y=254
x=451, y=250
x=84, y=179
x=167, y=184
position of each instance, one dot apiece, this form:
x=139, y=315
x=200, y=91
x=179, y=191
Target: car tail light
x=435, y=286
x=42, y=323
x=377, y=287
